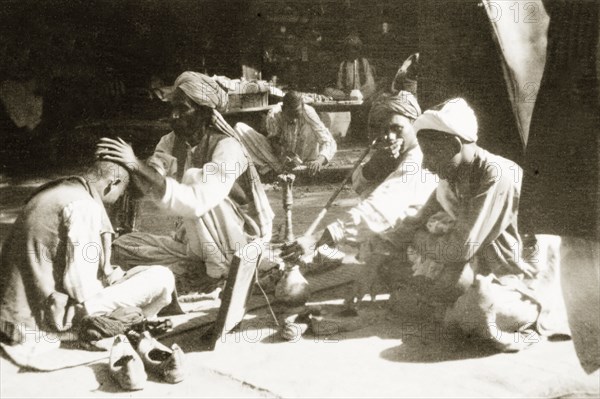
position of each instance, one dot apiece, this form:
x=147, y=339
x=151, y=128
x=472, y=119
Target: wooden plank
x=336, y=106
x=249, y=110
x=237, y=291
x=204, y=317
x=329, y=106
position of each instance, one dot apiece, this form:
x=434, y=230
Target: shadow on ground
x=423, y=339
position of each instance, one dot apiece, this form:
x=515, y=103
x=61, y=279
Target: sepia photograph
x=300, y=199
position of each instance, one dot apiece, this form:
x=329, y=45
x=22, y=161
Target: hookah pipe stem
x=288, y=201
x=292, y=289
x=337, y=192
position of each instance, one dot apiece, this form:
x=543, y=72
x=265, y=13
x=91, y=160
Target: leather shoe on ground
x=159, y=359
x=125, y=366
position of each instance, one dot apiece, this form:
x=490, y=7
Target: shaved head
x=109, y=179
x=108, y=171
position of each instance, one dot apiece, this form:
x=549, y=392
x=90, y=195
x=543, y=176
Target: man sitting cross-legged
x=55, y=265
x=295, y=131
x=220, y=198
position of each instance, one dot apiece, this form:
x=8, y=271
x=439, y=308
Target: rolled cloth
x=402, y=103
x=95, y=327
x=203, y=90
x=455, y=117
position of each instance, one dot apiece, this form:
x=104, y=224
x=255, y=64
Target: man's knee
x=216, y=271
x=162, y=276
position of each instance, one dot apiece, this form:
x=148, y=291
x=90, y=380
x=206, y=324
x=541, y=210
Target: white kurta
x=307, y=137
x=214, y=225
x=164, y=160
x=401, y=194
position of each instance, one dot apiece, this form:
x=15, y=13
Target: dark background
x=89, y=58
x=93, y=61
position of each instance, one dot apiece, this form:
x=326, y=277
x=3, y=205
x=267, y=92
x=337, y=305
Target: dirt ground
x=391, y=355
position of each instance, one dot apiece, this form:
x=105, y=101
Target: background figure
x=354, y=73
x=355, y=81
x=295, y=131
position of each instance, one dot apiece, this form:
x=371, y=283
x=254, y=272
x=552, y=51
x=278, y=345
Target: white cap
x=455, y=117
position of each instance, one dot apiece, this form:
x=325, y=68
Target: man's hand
x=315, y=166
x=117, y=151
x=327, y=238
x=146, y=178
x=291, y=160
x=384, y=160
x=389, y=148
x=113, y=275
x=292, y=252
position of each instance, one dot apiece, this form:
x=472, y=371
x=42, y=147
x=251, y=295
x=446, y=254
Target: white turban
x=455, y=117
x=203, y=90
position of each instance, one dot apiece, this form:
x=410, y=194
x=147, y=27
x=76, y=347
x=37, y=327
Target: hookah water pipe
x=291, y=292
x=292, y=289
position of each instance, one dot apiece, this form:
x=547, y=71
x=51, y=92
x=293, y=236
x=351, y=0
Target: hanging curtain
x=561, y=184
x=520, y=31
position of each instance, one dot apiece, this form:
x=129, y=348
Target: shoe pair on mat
x=128, y=365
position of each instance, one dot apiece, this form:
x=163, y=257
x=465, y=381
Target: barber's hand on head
x=292, y=252
x=315, y=166
x=117, y=151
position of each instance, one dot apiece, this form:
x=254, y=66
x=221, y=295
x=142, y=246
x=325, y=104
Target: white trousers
x=147, y=287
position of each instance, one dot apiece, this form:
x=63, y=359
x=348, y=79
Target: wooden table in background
x=330, y=106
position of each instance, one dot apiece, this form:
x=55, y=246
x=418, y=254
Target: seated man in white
x=294, y=130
